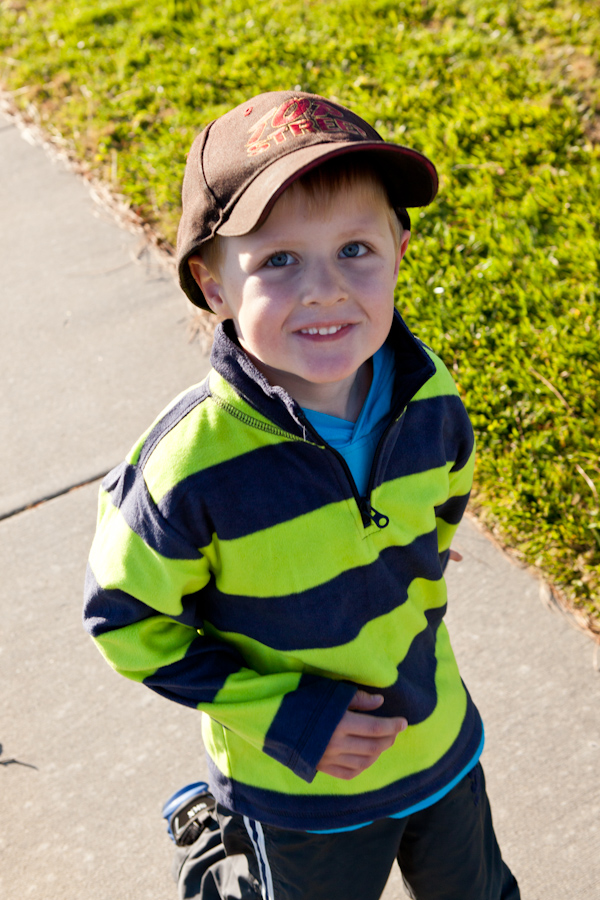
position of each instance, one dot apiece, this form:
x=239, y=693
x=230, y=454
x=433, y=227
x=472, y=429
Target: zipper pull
x=372, y=515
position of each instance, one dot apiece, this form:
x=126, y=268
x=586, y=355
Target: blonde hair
x=319, y=186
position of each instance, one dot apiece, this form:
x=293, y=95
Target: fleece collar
x=414, y=367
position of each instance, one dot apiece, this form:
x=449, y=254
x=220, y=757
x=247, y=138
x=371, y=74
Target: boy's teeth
x=331, y=330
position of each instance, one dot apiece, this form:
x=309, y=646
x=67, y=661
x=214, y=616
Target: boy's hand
x=359, y=740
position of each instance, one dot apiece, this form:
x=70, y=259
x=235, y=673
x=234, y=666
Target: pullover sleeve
x=460, y=481
x=143, y=601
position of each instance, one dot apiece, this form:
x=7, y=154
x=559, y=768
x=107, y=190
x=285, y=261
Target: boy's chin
x=309, y=379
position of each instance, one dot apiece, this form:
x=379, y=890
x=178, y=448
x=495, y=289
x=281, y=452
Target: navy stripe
x=109, y=609
x=294, y=621
x=426, y=445
x=414, y=694
x=105, y=611
x=200, y=675
x=453, y=509
x=259, y=489
x=329, y=811
x=128, y=491
x=277, y=483
x=303, y=724
x=178, y=412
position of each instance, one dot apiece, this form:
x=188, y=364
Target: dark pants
x=446, y=852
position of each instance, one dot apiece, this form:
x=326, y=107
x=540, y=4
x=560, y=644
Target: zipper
x=368, y=513
x=373, y=515
x=379, y=448
x=380, y=519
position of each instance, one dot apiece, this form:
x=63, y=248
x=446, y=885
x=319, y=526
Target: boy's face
x=311, y=293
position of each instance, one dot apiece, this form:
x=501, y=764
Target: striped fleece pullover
x=235, y=569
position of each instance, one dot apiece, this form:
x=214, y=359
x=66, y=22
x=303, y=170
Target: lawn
x=502, y=275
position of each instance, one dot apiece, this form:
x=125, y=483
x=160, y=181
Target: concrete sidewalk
x=93, y=345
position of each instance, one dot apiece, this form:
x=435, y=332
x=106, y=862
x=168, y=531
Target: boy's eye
x=283, y=258
x=354, y=249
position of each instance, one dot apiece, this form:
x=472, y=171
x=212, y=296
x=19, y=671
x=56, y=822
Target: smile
x=331, y=329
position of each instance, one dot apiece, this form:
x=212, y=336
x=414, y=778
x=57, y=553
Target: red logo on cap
x=300, y=115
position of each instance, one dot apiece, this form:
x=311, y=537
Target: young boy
x=272, y=550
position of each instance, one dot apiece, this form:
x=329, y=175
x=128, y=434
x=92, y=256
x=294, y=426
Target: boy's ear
x=402, y=249
x=209, y=285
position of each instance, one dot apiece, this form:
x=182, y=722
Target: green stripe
x=206, y=436
x=138, y=651
x=260, y=657
x=134, y=454
x=461, y=481
x=392, y=633
x=446, y=533
x=292, y=552
x=441, y=384
x=460, y=485
x=417, y=495
x=120, y=559
x=247, y=704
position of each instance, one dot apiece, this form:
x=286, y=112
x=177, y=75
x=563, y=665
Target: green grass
x=502, y=275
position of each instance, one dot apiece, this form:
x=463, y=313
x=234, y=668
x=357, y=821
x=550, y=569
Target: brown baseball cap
x=242, y=162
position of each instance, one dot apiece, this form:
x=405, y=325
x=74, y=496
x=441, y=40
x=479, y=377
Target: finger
x=340, y=771
x=365, y=701
x=360, y=725
x=360, y=747
x=455, y=556
x=350, y=763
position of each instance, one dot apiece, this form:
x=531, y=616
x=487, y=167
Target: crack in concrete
x=60, y=493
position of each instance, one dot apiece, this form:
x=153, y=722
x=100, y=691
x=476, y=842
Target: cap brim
x=410, y=178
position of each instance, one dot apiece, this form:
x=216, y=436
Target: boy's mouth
x=325, y=329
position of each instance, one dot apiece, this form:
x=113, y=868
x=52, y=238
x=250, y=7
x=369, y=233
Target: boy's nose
x=324, y=286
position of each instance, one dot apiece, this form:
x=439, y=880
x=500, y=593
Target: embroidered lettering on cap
x=300, y=115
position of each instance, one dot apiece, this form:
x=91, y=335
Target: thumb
x=364, y=701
